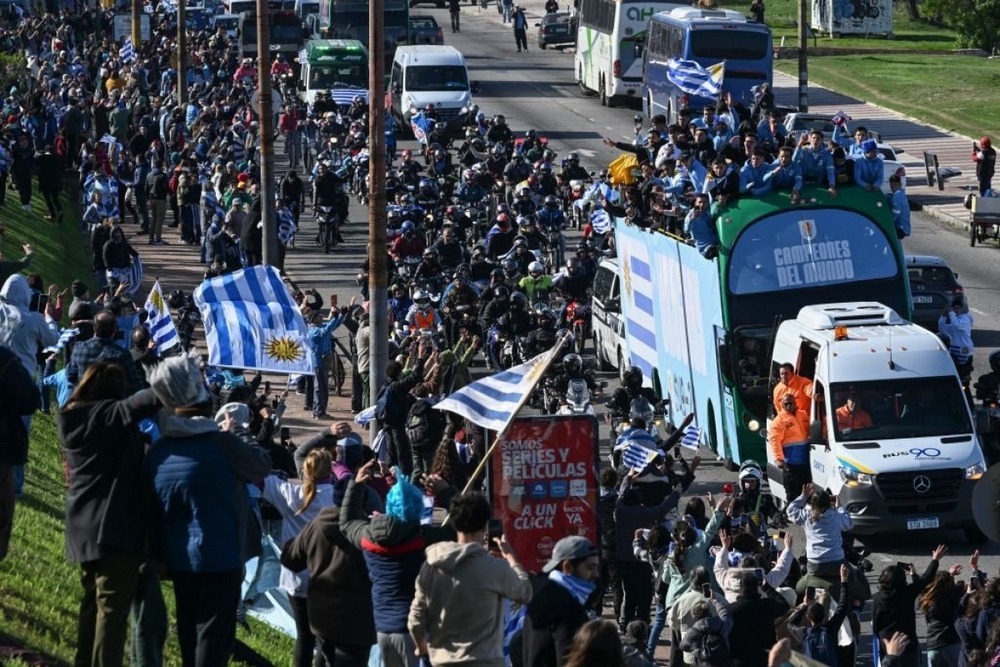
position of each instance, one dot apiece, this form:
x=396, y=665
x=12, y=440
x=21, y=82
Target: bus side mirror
x=638, y=49
x=816, y=434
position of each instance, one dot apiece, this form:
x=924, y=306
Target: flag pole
x=513, y=415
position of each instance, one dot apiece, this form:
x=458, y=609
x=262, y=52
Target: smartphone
x=333, y=300
x=38, y=302
x=495, y=529
x=285, y=435
x=781, y=534
x=706, y=590
x=759, y=574
x=810, y=593
x=267, y=387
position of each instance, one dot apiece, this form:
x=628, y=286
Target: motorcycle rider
x=459, y=221
x=532, y=146
x=460, y=294
x=280, y=67
x=525, y=203
x=572, y=369
x=516, y=171
x=328, y=190
x=511, y=274
x=547, y=182
x=472, y=150
x=496, y=163
x=543, y=337
x=536, y=285
x=528, y=229
x=620, y=405
x=480, y=267
x=550, y=215
x=246, y=70
x=495, y=281
x=358, y=108
x=588, y=263
x=450, y=250
x=440, y=165
x=500, y=238
x=409, y=244
x=469, y=191
x=514, y=324
x=430, y=266
x=499, y=133
x=758, y=505
x=522, y=255
x=427, y=194
x=572, y=171
x=409, y=210
x=400, y=302
x=571, y=282
x=422, y=316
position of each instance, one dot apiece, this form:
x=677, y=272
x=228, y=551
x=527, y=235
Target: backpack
x=421, y=427
x=816, y=645
x=184, y=189
x=387, y=409
x=712, y=649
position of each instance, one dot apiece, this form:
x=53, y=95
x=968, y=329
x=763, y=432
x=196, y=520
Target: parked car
x=933, y=286
x=556, y=28
x=798, y=123
x=441, y=4
x=424, y=29
x=891, y=165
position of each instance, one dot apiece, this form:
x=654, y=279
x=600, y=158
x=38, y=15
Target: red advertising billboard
x=544, y=484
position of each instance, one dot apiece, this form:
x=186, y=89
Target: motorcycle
x=577, y=400
x=511, y=350
x=329, y=230
x=578, y=321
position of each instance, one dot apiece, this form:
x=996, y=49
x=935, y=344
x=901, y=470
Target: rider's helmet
x=536, y=269
x=406, y=200
x=545, y=168
x=551, y=202
x=499, y=119
x=399, y=290
x=525, y=225
x=479, y=251
x=517, y=157
x=573, y=265
x=573, y=363
x=520, y=242
x=573, y=159
x=518, y=301
x=503, y=221
x=408, y=226
x=530, y=134
x=995, y=361
x=469, y=175
x=429, y=108
x=422, y=299
x=464, y=269
x=502, y=293
x=425, y=184
x=525, y=192
x=502, y=207
x=549, y=155
x=431, y=253
x=750, y=475
x=632, y=377
x=496, y=274
x=460, y=277
x=509, y=267
x=358, y=99
x=497, y=150
x=533, y=181
x=440, y=154
x=545, y=317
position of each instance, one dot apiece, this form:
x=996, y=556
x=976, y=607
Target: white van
x=891, y=434
x=606, y=318
x=425, y=74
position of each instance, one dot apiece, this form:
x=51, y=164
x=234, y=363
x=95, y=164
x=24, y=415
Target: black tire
x=602, y=363
x=972, y=234
x=579, y=340
x=542, y=46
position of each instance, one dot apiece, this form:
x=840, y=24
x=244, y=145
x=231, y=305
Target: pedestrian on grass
x=19, y=398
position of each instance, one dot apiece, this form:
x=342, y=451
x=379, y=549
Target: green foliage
x=12, y=69
x=977, y=21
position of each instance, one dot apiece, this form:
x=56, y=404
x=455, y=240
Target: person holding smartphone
x=810, y=626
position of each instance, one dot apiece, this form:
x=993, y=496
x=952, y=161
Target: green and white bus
x=607, y=61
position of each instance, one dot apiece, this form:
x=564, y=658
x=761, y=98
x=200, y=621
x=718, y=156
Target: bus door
x=785, y=352
x=723, y=348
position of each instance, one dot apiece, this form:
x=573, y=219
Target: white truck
x=890, y=428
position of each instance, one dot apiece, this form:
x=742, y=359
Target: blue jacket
x=789, y=177
x=847, y=142
x=900, y=211
x=824, y=543
x=199, y=477
x=816, y=165
x=702, y=230
x=869, y=172
x=753, y=180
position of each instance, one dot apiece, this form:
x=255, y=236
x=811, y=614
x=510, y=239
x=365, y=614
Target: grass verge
x=782, y=16
x=946, y=92
x=39, y=590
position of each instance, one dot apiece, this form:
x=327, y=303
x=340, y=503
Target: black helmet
x=573, y=362
x=176, y=299
x=518, y=300
x=509, y=266
x=496, y=273
x=573, y=265
x=573, y=158
x=551, y=202
x=632, y=376
x=995, y=361
x=502, y=292
x=530, y=134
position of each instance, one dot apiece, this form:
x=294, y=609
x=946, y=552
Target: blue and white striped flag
x=303, y=57
x=252, y=322
x=601, y=221
x=638, y=457
x=127, y=52
x=493, y=401
x=421, y=126
x=160, y=323
x=692, y=437
x=694, y=79
x=65, y=336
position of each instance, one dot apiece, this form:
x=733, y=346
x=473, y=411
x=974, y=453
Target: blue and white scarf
x=575, y=586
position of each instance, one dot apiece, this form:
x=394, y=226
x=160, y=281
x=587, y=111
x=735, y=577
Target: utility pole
x=378, y=277
x=265, y=111
x=136, y=24
x=182, y=82
x=803, y=57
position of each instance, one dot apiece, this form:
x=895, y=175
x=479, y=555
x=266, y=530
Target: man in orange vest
x=851, y=416
x=793, y=384
x=788, y=436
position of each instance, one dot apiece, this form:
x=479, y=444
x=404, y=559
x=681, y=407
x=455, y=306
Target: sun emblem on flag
x=627, y=271
x=156, y=298
x=284, y=349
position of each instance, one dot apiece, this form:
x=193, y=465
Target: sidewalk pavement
x=902, y=132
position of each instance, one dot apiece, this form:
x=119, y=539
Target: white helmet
x=750, y=469
x=421, y=299
x=536, y=269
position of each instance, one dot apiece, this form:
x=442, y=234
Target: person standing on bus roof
x=869, y=171
x=699, y=226
x=799, y=387
x=816, y=161
x=752, y=174
x=786, y=174
x=851, y=144
x=788, y=437
x=520, y=22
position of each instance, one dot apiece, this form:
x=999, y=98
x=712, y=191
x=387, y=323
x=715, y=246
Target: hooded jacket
x=458, y=606
x=824, y=543
x=20, y=330
x=339, y=598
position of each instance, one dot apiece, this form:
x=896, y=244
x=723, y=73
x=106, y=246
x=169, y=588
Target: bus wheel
x=606, y=100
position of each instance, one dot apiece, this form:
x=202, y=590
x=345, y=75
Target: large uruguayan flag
x=640, y=319
x=638, y=457
x=160, y=324
x=127, y=52
x=694, y=79
x=252, y=322
x=493, y=401
x=345, y=96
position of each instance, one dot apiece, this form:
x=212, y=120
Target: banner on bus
x=543, y=479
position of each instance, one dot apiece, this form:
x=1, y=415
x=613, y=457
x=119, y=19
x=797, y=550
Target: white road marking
x=979, y=312
x=585, y=152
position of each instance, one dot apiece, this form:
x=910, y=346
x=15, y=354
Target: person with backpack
x=707, y=641
x=754, y=615
x=683, y=615
x=157, y=192
x=817, y=634
x=424, y=430
x=393, y=404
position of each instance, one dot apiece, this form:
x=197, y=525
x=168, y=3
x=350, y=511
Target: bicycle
x=338, y=371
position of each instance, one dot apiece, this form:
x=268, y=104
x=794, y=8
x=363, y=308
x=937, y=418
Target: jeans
x=206, y=615
x=521, y=37
x=142, y=204
x=659, y=622
x=305, y=642
x=23, y=182
x=149, y=621
x=507, y=8
x=399, y=449
x=946, y=656
x=455, y=20
x=159, y=209
x=109, y=585
x=397, y=649
x=423, y=462
x=318, y=391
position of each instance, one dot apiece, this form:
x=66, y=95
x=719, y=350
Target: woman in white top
x=299, y=504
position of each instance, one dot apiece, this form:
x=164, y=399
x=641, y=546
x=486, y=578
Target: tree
x=977, y=21
x=912, y=8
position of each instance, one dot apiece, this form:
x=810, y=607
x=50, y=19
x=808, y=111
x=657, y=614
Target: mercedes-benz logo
x=921, y=484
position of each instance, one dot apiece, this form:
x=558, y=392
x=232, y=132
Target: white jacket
x=729, y=577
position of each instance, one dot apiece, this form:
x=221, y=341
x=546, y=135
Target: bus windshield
x=426, y=77
x=328, y=76
x=729, y=44
x=893, y=409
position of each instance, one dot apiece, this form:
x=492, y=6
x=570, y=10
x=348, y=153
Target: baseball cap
x=570, y=548
x=353, y=440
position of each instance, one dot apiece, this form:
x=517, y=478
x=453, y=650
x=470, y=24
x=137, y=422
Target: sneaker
x=28, y=208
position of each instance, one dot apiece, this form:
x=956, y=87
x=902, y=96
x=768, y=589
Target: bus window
x=326, y=77
x=729, y=44
x=807, y=361
x=427, y=78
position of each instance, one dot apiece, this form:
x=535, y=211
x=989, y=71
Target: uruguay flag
x=691, y=438
x=421, y=126
x=251, y=322
x=694, y=79
x=127, y=52
x=160, y=324
x=494, y=401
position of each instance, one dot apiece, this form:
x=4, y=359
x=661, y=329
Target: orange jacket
x=787, y=429
x=799, y=387
x=847, y=420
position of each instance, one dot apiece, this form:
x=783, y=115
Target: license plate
x=923, y=299
x=922, y=524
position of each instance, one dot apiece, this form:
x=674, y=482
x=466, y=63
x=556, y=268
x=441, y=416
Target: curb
x=940, y=216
